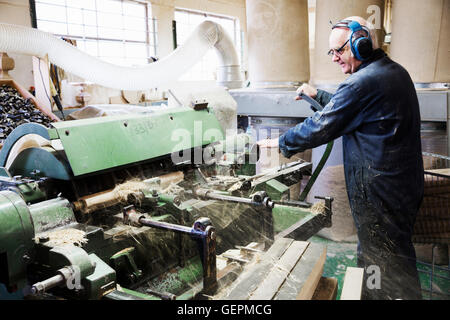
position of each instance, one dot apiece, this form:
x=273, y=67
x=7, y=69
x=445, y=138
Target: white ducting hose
x=24, y=40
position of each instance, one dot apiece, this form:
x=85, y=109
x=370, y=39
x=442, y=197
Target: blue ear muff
x=361, y=47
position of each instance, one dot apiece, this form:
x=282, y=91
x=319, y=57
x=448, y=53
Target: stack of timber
x=288, y=270
x=433, y=220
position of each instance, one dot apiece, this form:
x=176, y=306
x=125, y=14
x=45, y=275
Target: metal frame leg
x=432, y=271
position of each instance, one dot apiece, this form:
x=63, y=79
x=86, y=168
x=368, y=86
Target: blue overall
x=376, y=110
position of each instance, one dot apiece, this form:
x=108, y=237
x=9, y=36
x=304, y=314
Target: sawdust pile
x=318, y=208
x=65, y=237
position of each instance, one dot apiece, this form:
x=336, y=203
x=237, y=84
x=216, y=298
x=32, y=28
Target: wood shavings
x=318, y=208
x=169, y=185
x=64, y=237
x=223, y=181
x=173, y=189
x=122, y=191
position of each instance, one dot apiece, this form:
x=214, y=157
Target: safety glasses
x=339, y=51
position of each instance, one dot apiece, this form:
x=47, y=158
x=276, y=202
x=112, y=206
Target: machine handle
x=315, y=106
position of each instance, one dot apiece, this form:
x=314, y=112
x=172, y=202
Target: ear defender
x=361, y=46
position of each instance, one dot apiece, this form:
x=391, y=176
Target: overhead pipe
x=208, y=35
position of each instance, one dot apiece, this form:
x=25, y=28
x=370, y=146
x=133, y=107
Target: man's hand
x=308, y=90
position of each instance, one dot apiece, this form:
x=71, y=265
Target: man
x=377, y=112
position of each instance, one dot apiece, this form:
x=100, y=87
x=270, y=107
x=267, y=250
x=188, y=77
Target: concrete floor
x=341, y=255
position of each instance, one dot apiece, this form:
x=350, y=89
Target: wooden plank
x=445, y=171
x=234, y=257
x=310, y=285
x=250, y=279
x=326, y=289
x=353, y=281
x=230, y=267
x=270, y=286
x=303, y=280
x=227, y=275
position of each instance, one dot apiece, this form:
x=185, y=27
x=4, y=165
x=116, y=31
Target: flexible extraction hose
x=29, y=41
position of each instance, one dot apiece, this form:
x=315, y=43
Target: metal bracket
x=124, y=261
x=202, y=232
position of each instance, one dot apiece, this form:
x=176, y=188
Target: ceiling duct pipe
x=208, y=35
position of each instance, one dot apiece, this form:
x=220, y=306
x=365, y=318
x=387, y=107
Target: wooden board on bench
x=289, y=270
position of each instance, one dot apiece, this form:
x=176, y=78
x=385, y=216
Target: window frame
x=237, y=36
x=150, y=41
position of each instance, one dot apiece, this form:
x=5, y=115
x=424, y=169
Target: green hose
x=315, y=106
x=317, y=171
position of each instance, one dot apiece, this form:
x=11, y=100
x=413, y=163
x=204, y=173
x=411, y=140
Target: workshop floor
x=341, y=255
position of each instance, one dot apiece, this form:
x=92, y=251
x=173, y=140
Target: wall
x=17, y=12
x=163, y=11
x=421, y=42
x=278, y=42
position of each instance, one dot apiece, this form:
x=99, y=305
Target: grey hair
x=371, y=27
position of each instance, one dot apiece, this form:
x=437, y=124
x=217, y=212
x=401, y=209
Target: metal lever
x=258, y=199
x=202, y=232
x=315, y=106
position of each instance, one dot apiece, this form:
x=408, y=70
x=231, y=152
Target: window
x=187, y=21
x=118, y=31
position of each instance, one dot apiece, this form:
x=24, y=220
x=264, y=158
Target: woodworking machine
x=118, y=207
